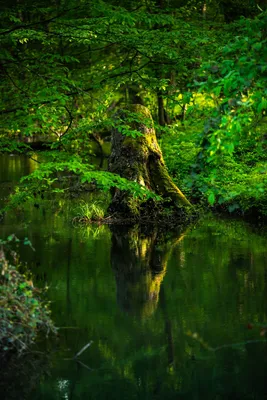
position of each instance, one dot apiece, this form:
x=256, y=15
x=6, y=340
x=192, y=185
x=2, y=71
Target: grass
x=89, y=212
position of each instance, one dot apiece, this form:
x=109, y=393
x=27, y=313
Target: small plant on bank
x=89, y=212
x=23, y=314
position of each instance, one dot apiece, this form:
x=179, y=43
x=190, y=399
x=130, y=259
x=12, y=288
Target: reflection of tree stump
x=139, y=263
x=140, y=159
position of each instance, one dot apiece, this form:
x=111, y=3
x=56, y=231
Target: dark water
x=168, y=313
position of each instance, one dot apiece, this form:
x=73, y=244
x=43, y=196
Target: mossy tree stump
x=140, y=159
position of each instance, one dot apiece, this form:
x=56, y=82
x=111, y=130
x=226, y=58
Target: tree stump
x=140, y=159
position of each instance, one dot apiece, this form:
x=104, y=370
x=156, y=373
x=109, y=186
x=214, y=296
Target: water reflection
x=139, y=260
x=117, y=290
x=137, y=293
x=12, y=168
x=21, y=375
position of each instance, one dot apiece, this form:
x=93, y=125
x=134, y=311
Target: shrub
x=22, y=312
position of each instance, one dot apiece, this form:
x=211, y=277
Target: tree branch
x=41, y=22
x=77, y=92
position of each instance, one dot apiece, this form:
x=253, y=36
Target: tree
x=50, y=54
x=234, y=131
x=139, y=159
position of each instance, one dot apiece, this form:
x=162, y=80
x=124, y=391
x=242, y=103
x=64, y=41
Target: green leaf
x=211, y=198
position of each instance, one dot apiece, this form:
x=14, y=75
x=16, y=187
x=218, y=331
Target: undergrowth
x=23, y=314
x=236, y=183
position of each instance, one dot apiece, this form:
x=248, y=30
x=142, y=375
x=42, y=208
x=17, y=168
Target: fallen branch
x=83, y=349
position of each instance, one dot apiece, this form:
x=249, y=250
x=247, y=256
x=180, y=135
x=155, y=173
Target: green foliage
x=22, y=312
x=180, y=150
x=60, y=64
x=235, y=182
x=9, y=145
x=236, y=81
x=236, y=187
x=65, y=71
x=50, y=178
x=229, y=169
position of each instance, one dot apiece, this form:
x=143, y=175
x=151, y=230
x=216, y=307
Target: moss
x=140, y=159
x=106, y=148
x=133, y=205
x=140, y=109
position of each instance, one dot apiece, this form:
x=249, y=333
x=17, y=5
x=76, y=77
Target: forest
x=199, y=67
x=131, y=121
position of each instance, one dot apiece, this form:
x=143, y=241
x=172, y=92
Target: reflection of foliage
x=22, y=313
x=214, y=285
x=92, y=231
x=21, y=375
x=224, y=267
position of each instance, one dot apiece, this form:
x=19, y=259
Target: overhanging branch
x=74, y=93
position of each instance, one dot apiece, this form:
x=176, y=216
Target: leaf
x=217, y=91
x=211, y=198
x=10, y=237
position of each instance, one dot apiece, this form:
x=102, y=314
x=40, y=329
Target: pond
x=168, y=315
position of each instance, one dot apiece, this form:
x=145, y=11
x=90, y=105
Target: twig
x=84, y=365
x=225, y=346
x=68, y=327
x=70, y=123
x=34, y=352
x=83, y=349
x=45, y=21
x=34, y=160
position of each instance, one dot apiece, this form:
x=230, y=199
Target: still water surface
x=167, y=313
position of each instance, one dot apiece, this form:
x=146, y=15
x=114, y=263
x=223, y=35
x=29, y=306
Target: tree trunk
x=140, y=159
x=161, y=111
